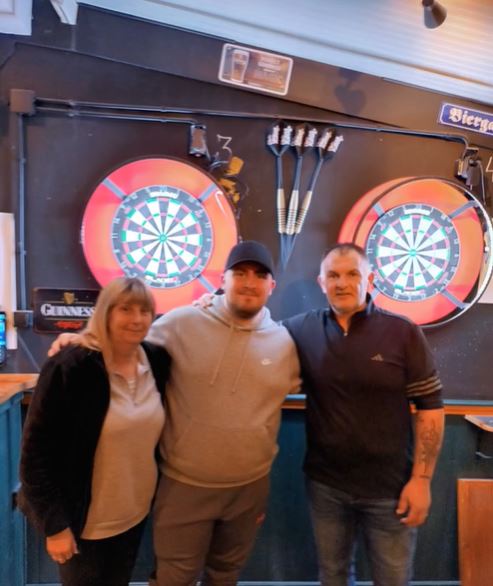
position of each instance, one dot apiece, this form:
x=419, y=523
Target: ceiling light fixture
x=434, y=13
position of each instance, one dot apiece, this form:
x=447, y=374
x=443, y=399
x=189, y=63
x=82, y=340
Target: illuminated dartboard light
x=429, y=244
x=162, y=220
x=415, y=252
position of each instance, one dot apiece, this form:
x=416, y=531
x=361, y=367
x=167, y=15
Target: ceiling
x=385, y=38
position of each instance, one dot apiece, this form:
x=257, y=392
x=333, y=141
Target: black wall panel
x=66, y=156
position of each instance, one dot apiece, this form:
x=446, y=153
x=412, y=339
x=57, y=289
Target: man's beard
x=245, y=313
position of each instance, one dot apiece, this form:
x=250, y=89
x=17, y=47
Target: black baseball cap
x=250, y=251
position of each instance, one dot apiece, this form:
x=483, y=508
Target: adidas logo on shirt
x=377, y=358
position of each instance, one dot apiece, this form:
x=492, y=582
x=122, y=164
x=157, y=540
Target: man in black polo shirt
x=366, y=469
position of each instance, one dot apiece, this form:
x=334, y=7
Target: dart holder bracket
x=468, y=167
x=198, y=141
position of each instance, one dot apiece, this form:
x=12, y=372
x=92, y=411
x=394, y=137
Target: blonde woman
x=88, y=466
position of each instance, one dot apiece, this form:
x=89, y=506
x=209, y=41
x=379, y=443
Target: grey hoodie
x=224, y=395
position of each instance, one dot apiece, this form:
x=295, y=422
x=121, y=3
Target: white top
x=125, y=469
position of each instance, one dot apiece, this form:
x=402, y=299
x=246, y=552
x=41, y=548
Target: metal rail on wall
x=467, y=162
x=74, y=108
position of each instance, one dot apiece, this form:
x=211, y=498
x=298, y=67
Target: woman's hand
x=61, y=546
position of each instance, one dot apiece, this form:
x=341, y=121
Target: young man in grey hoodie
x=231, y=368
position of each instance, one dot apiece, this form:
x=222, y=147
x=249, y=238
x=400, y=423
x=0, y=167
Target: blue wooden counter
x=285, y=552
x=12, y=541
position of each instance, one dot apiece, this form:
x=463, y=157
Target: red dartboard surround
x=163, y=220
x=427, y=241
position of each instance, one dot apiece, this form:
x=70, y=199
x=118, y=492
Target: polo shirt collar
x=367, y=310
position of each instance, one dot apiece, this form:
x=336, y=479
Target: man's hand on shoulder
x=204, y=301
x=61, y=341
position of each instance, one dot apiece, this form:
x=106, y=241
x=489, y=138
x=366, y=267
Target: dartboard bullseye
x=162, y=220
x=415, y=252
x=428, y=241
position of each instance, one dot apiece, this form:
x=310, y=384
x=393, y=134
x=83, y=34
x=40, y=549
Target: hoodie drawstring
x=240, y=367
x=220, y=361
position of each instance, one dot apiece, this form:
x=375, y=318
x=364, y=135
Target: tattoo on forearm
x=429, y=441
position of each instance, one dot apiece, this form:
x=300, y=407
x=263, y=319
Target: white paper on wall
x=7, y=275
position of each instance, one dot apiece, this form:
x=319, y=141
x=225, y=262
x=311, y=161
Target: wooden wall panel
x=475, y=514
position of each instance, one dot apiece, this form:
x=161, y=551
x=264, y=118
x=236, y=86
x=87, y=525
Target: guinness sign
x=62, y=310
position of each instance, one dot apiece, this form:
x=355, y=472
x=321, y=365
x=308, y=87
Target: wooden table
x=11, y=384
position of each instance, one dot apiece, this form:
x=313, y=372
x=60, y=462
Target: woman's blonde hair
x=121, y=290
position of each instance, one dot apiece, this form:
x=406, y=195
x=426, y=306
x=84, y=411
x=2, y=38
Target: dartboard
x=428, y=243
x=163, y=220
x=162, y=234
x=414, y=250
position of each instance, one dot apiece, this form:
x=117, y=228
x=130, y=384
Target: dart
x=327, y=145
x=279, y=140
x=304, y=138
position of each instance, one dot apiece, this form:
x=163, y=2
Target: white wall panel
x=15, y=16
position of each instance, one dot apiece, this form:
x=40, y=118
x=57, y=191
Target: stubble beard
x=240, y=313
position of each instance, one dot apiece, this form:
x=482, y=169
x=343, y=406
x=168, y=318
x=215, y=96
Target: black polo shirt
x=358, y=387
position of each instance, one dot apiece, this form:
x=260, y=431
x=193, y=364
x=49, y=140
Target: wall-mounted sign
x=255, y=69
x=467, y=119
x=163, y=220
x=62, y=310
x=428, y=242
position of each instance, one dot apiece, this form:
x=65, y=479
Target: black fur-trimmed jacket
x=61, y=433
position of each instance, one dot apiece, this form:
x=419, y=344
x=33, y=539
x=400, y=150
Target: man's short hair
x=344, y=248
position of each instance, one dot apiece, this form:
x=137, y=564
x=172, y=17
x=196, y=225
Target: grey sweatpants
x=205, y=532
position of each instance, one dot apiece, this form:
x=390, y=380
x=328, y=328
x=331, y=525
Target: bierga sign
x=467, y=119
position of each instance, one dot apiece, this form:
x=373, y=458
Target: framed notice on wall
x=255, y=69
